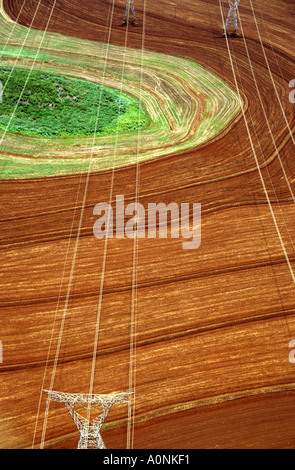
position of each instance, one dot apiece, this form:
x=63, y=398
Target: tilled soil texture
x=210, y=328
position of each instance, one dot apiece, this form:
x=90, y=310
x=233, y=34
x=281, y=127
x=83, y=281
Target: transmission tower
x=231, y=24
x=129, y=10
x=89, y=429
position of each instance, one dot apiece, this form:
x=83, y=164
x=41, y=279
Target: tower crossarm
x=87, y=399
x=62, y=397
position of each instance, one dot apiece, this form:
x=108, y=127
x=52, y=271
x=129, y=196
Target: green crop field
x=58, y=106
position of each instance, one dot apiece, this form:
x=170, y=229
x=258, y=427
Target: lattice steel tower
x=232, y=18
x=89, y=430
x=129, y=10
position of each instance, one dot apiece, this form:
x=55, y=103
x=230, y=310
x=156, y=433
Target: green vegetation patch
x=51, y=105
